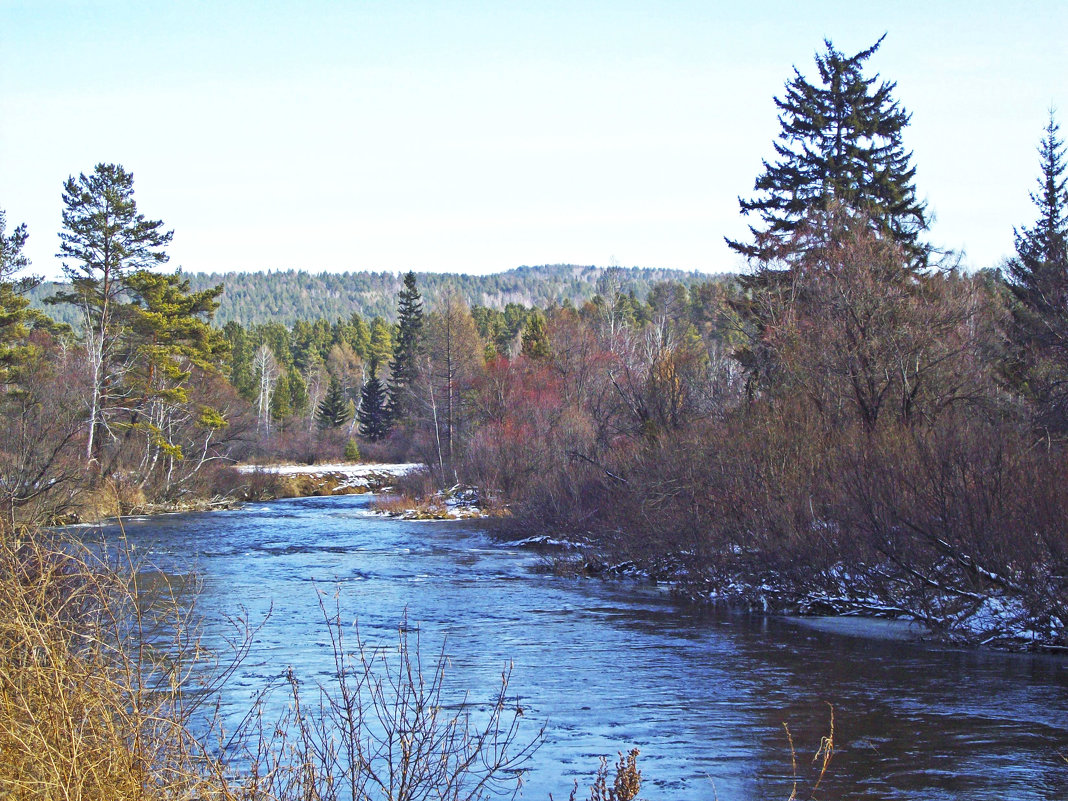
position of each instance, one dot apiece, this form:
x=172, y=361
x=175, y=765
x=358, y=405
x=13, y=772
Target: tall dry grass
x=93, y=672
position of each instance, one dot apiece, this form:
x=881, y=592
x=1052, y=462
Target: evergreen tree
x=536, y=338
x=281, y=408
x=14, y=312
x=1038, y=278
x=334, y=410
x=381, y=344
x=841, y=145
x=373, y=415
x=104, y=241
x=298, y=391
x=359, y=338
x=1039, y=273
x=403, y=368
x=242, y=376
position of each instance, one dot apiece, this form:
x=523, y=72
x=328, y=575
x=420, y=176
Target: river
x=611, y=665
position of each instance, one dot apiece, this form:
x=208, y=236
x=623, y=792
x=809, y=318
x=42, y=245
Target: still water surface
x=608, y=666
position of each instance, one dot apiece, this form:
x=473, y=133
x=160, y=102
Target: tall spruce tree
x=403, y=367
x=840, y=145
x=334, y=409
x=1039, y=272
x=373, y=415
x=1038, y=279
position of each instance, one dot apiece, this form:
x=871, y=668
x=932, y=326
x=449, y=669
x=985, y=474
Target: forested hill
x=291, y=295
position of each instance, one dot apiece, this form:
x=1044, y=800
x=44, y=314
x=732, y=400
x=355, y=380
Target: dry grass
x=821, y=761
x=91, y=677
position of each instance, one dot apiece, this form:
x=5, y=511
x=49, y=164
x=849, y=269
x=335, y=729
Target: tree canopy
x=840, y=143
x=404, y=367
x=1038, y=280
x=373, y=414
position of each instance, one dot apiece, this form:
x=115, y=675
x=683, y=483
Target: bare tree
x=266, y=369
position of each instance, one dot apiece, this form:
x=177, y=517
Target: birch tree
x=266, y=370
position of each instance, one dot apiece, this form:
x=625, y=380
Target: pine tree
x=403, y=367
x=536, y=338
x=373, y=415
x=241, y=355
x=333, y=410
x=14, y=312
x=841, y=145
x=106, y=240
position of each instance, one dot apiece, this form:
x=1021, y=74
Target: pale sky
x=476, y=137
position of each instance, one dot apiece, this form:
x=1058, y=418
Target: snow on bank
x=354, y=470
x=459, y=502
x=338, y=478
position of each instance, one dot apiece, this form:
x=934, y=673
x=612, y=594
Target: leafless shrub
x=385, y=728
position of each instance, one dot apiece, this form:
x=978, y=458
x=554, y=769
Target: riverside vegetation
x=856, y=424
x=853, y=425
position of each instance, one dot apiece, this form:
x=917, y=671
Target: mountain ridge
x=289, y=295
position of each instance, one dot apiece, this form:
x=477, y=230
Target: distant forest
x=291, y=295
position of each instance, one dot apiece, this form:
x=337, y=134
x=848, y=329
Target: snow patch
x=350, y=470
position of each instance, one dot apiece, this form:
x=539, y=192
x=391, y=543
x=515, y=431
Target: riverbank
x=989, y=620
x=992, y=620
x=234, y=486
x=294, y=480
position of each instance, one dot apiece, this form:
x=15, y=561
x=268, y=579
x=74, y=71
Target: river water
x=609, y=666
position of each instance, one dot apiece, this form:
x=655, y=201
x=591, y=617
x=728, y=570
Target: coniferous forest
x=854, y=423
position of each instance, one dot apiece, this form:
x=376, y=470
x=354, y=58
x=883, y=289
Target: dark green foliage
x=353, y=332
x=1038, y=279
x=241, y=351
x=281, y=407
x=105, y=238
x=381, y=347
x=840, y=144
x=404, y=367
x=373, y=415
x=334, y=409
x=1038, y=272
x=14, y=314
x=500, y=328
x=278, y=338
x=298, y=391
x=536, y=338
x=168, y=333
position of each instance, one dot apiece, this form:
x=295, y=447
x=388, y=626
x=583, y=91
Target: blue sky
x=476, y=137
